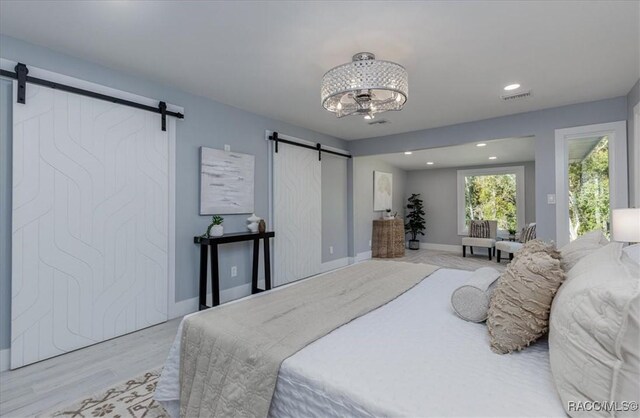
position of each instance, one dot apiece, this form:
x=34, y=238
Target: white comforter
x=411, y=357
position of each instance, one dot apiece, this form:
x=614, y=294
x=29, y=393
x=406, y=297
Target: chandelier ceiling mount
x=365, y=86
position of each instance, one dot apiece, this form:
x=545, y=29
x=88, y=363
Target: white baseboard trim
x=362, y=256
x=334, y=264
x=5, y=359
x=237, y=292
x=185, y=307
x=441, y=247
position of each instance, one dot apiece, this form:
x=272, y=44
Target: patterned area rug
x=133, y=398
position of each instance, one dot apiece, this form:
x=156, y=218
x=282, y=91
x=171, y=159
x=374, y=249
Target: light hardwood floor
x=55, y=382
x=453, y=260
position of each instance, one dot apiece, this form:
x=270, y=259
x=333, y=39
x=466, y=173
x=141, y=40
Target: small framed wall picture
x=382, y=190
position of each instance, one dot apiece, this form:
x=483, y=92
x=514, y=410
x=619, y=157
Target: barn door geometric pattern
x=90, y=223
x=297, y=205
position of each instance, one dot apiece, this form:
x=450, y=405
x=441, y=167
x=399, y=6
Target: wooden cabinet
x=387, y=240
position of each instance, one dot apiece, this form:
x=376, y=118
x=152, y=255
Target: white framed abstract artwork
x=382, y=190
x=226, y=182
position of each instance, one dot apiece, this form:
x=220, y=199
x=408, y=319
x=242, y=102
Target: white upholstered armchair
x=512, y=247
x=488, y=242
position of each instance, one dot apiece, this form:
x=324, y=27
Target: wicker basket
x=387, y=239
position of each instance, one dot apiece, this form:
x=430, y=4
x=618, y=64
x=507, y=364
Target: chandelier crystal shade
x=365, y=86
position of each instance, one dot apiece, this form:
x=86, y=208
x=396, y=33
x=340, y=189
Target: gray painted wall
x=350, y=211
x=334, y=207
x=213, y=124
x=363, y=213
x=633, y=98
x=541, y=124
x=438, y=189
x=206, y=123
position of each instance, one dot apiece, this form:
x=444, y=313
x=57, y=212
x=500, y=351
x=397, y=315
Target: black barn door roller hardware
x=21, y=74
x=318, y=147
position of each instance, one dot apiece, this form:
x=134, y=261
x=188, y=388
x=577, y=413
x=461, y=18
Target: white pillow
x=580, y=247
x=594, y=330
x=633, y=251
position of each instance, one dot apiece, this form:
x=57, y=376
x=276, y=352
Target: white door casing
x=91, y=222
x=618, y=188
x=297, y=203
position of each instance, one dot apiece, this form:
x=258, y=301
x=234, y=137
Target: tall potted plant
x=415, y=221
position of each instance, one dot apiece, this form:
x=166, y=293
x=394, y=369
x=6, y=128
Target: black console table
x=212, y=243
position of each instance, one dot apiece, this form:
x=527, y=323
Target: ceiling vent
x=516, y=96
x=378, y=122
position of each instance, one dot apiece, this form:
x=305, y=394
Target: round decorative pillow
x=470, y=303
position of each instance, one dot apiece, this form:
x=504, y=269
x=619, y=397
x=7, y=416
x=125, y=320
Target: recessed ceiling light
x=429, y=162
x=512, y=87
x=482, y=144
x=492, y=158
x=408, y=153
x=368, y=117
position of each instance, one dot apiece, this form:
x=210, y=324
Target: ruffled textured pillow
x=520, y=304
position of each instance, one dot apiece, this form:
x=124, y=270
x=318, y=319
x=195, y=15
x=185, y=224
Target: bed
x=410, y=357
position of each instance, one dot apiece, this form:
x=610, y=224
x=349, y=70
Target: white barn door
x=297, y=216
x=90, y=223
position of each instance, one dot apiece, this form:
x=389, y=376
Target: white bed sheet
x=411, y=357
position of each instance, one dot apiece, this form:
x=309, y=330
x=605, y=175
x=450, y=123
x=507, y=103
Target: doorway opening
x=589, y=194
x=591, y=178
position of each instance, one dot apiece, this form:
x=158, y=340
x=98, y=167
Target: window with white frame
x=495, y=193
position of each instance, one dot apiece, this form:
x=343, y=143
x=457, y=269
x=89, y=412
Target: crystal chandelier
x=365, y=86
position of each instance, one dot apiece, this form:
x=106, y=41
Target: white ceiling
x=507, y=151
x=269, y=57
x=581, y=147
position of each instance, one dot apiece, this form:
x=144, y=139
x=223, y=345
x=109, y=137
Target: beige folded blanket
x=230, y=355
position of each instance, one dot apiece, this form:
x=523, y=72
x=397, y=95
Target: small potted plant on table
x=512, y=234
x=415, y=221
x=215, y=229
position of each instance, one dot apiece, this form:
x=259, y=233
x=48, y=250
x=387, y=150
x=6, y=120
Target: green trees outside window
x=491, y=197
x=589, y=190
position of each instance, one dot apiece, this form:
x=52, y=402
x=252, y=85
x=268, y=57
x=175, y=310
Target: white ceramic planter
x=217, y=231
